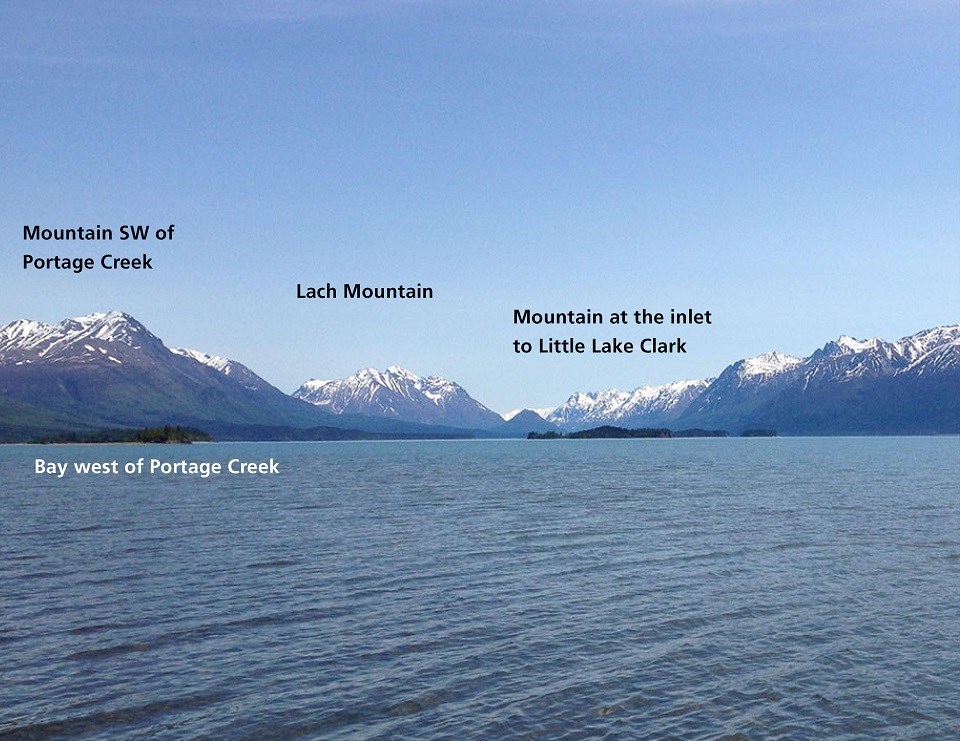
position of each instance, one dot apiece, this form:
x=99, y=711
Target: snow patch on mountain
x=237, y=371
x=768, y=364
x=852, y=345
x=214, y=361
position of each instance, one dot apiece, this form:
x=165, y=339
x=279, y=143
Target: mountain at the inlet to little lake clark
x=910, y=386
x=107, y=370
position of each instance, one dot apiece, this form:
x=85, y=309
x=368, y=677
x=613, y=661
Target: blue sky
x=790, y=166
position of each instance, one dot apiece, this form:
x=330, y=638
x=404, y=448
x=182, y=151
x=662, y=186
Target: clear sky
x=793, y=167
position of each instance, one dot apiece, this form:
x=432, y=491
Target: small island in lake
x=168, y=434
x=610, y=431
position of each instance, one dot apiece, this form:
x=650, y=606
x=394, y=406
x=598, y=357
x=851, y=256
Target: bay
x=711, y=588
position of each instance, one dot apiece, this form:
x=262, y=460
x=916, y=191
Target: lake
x=689, y=588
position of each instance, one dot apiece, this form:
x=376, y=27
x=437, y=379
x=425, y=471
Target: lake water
x=732, y=588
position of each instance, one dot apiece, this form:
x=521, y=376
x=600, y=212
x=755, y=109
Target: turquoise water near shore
x=731, y=588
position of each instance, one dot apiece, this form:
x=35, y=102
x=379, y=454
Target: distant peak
x=541, y=412
x=523, y=414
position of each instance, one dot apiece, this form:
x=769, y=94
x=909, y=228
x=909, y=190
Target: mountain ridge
x=108, y=369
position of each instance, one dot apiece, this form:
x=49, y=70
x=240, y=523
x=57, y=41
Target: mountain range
x=108, y=370
x=849, y=386
x=647, y=406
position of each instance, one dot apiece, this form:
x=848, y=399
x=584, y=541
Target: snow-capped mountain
x=647, y=406
x=934, y=351
x=399, y=394
x=524, y=422
x=847, y=358
x=847, y=386
x=744, y=385
x=108, y=370
x=112, y=336
x=542, y=412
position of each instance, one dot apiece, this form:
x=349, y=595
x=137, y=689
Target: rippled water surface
x=798, y=588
